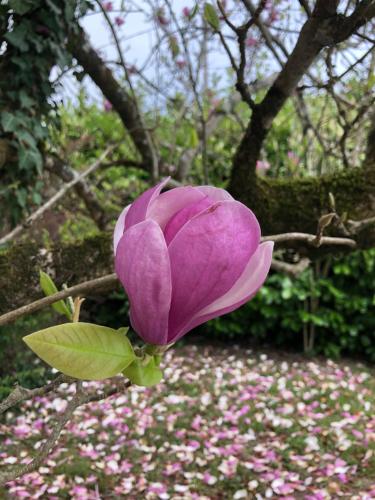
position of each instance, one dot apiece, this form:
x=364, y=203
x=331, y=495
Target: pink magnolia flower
x=186, y=256
x=262, y=166
x=108, y=6
x=161, y=18
x=180, y=63
x=119, y=21
x=251, y=41
x=107, y=106
x=293, y=157
x=186, y=12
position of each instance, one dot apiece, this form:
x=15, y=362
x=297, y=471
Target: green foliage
x=144, y=372
x=210, y=16
x=34, y=35
x=344, y=318
x=17, y=363
x=49, y=288
x=83, y=350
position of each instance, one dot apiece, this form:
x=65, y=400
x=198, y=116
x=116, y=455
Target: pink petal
x=170, y=202
x=142, y=265
x=216, y=194
x=183, y=216
x=138, y=209
x=207, y=257
x=241, y=292
x=119, y=228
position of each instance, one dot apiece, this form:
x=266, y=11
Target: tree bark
x=324, y=28
x=66, y=263
x=82, y=188
x=121, y=101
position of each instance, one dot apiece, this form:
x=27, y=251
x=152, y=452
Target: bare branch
x=122, y=102
x=55, y=198
x=105, y=282
x=290, y=269
x=310, y=239
x=58, y=167
x=80, y=398
x=20, y=393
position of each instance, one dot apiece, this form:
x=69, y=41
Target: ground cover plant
x=224, y=423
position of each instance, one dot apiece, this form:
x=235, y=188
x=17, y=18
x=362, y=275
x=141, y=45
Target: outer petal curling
x=207, y=257
x=215, y=194
x=165, y=206
x=119, y=228
x=241, y=292
x=183, y=216
x=142, y=265
x=138, y=209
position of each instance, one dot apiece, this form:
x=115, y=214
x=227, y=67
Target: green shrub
x=17, y=363
x=344, y=320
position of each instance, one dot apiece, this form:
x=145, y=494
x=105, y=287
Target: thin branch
x=65, y=172
x=310, y=239
x=80, y=398
x=122, y=101
x=20, y=393
x=105, y=282
x=55, y=198
x=356, y=227
x=305, y=5
x=290, y=269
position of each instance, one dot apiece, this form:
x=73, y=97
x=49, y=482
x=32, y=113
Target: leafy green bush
x=342, y=317
x=17, y=363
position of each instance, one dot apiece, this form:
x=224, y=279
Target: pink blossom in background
x=131, y=70
x=186, y=256
x=273, y=15
x=251, y=41
x=262, y=166
x=107, y=106
x=108, y=6
x=119, y=21
x=181, y=63
x=160, y=17
x=293, y=157
x=186, y=12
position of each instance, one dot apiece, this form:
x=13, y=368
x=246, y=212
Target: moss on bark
x=287, y=205
x=69, y=263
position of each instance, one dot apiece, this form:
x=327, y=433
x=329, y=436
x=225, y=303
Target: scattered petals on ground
x=225, y=423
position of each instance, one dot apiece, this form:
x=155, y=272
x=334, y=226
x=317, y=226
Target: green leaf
x=49, y=288
x=21, y=7
x=210, y=15
x=9, y=121
x=25, y=100
x=144, y=372
x=82, y=350
x=193, y=12
x=17, y=37
x=173, y=45
x=25, y=137
x=193, y=139
x=29, y=157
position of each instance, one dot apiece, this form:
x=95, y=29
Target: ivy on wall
x=32, y=42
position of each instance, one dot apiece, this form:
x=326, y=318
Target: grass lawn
x=225, y=423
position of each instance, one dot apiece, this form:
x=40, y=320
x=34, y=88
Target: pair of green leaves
x=92, y=352
x=49, y=288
